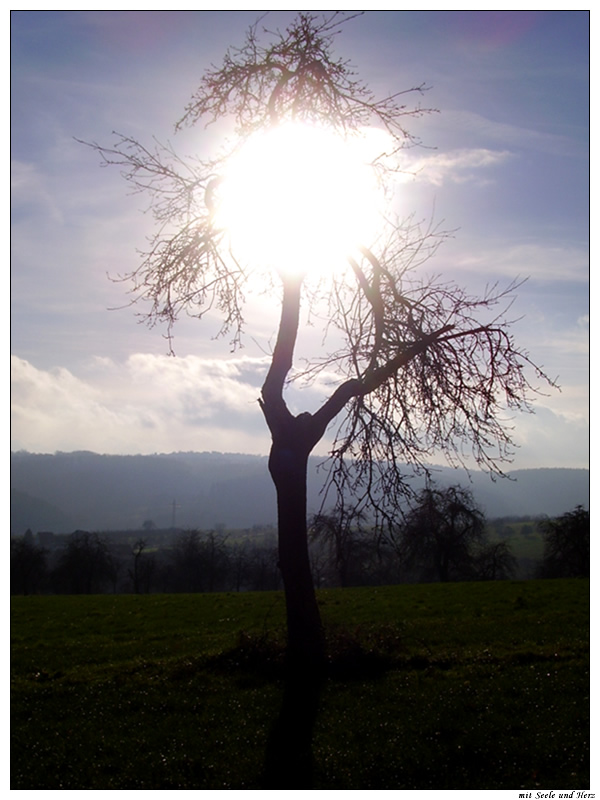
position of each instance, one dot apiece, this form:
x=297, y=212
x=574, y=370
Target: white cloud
x=196, y=388
x=545, y=262
x=151, y=403
x=545, y=439
x=458, y=166
x=507, y=134
x=146, y=404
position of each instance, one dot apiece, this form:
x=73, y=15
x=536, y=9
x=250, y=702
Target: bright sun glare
x=300, y=199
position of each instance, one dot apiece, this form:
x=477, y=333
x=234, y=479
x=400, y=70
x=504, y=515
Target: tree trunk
x=289, y=760
x=293, y=437
x=288, y=464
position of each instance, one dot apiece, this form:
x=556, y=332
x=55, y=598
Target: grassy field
x=456, y=686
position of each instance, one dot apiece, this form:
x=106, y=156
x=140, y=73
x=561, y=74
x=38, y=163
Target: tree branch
x=272, y=403
x=372, y=380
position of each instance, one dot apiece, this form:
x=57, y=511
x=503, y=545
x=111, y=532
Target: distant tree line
x=157, y=561
x=442, y=537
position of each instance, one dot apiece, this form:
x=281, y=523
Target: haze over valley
x=83, y=490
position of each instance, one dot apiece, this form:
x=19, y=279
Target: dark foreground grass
x=459, y=686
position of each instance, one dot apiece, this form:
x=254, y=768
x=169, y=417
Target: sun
x=300, y=199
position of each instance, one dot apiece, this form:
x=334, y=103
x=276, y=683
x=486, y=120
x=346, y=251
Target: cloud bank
x=147, y=404
x=159, y=404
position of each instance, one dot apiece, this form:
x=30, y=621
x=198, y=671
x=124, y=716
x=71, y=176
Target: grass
x=530, y=545
x=457, y=686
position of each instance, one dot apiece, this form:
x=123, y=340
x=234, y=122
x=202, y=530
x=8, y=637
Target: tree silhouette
x=418, y=367
x=143, y=569
x=441, y=533
x=27, y=565
x=85, y=565
x=495, y=561
x=566, y=545
x=344, y=541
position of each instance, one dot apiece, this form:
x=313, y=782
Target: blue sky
x=506, y=165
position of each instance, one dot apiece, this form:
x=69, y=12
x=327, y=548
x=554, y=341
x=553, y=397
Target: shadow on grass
x=350, y=655
x=289, y=762
x=465, y=705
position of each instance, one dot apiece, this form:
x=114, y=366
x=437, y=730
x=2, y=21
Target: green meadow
x=438, y=686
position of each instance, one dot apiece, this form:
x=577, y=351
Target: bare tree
x=566, y=545
x=343, y=538
x=495, y=561
x=28, y=565
x=143, y=568
x=85, y=565
x=188, y=562
x=421, y=367
x=441, y=533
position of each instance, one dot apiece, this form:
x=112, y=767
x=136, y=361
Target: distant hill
x=27, y=512
x=85, y=490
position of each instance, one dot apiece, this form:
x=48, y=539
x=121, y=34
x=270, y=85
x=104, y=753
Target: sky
x=505, y=165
